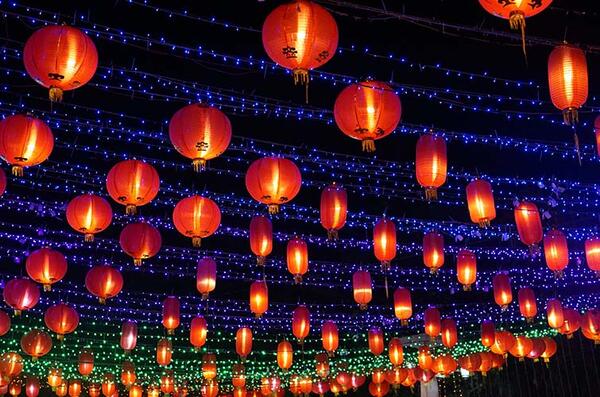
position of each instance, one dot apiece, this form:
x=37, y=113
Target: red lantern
x=206, y=276
x=273, y=181
x=529, y=224
x=209, y=389
x=167, y=382
x=32, y=387
x=590, y=325
x=89, y=214
x=384, y=241
x=243, y=342
x=46, y=266
x=527, y=304
x=285, y=355
x=550, y=349
x=4, y=323
x=466, y=268
x=367, y=111
x=592, y=254
x=433, y=251
x=502, y=290
x=444, y=365
x=424, y=359
x=320, y=388
x=61, y=319
x=21, y=294
x=470, y=363
x=378, y=375
x=411, y=378
x=129, y=333
x=54, y=377
x=571, y=323
x=334, y=208
x=209, y=366
x=196, y=217
x=85, y=364
x=261, y=238
x=396, y=352
x=198, y=331
x=424, y=375
x=449, y=333
x=375, y=338
x=568, y=80
x=74, y=388
x=379, y=389
x=36, y=343
x=432, y=321
x=402, y=305
x=488, y=333
x=11, y=364
x=297, y=258
x=136, y=391
x=14, y=388
x=132, y=183
x=330, y=338
x=431, y=164
x=300, y=36
x=164, y=352
x=200, y=133
x=104, y=282
x=538, y=347
x=259, y=297
x=170, y=314
x=361, y=285
x=62, y=389
x=238, y=376
x=556, y=252
x=140, y=241
x=523, y=345
x=24, y=142
x=301, y=323
x=480, y=199
x=503, y=342
x=554, y=312
x=94, y=390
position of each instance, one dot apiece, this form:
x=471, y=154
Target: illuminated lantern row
x=301, y=323
x=285, y=355
x=431, y=164
x=527, y=304
x=196, y=217
x=46, y=266
x=85, y=363
x=129, y=334
x=273, y=181
x=376, y=340
x=24, y=142
x=206, y=276
x=60, y=58
x=104, y=282
x=36, y=343
x=361, y=285
x=556, y=252
x=297, y=258
x=433, y=251
x=21, y=294
x=333, y=209
x=384, y=242
x=466, y=268
x=403, y=305
x=198, y=332
x=592, y=254
x=330, y=337
x=480, y=200
x=568, y=80
x=502, y=290
x=89, y=214
x=488, y=332
x=259, y=297
x=243, y=342
x=170, y=314
x=432, y=320
x=449, y=333
x=200, y=133
x=140, y=240
x=132, y=183
x=261, y=238
x=61, y=319
x=367, y=111
x=529, y=224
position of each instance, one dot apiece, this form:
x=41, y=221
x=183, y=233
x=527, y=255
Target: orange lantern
x=200, y=133
x=136, y=391
x=433, y=251
x=167, y=382
x=523, y=345
x=153, y=391
x=259, y=297
x=210, y=389
x=554, y=312
x=104, y=282
x=85, y=364
x=243, y=342
x=322, y=365
x=261, y=238
x=424, y=359
x=466, y=268
x=444, y=365
x=301, y=323
x=54, y=377
x=14, y=388
x=24, y=142
x=74, y=388
x=89, y=214
x=480, y=200
x=170, y=314
x=396, y=352
x=132, y=183
x=36, y=343
x=568, y=80
x=4, y=323
x=538, y=347
x=198, y=331
x=590, y=325
x=61, y=319
x=297, y=258
x=379, y=389
x=367, y=111
x=46, y=266
x=431, y=164
x=196, y=217
x=556, y=252
x=550, y=349
x=21, y=294
x=488, y=333
x=592, y=254
x=378, y=375
x=503, y=342
x=527, y=304
x=62, y=389
x=375, y=339
x=209, y=366
x=164, y=351
x=411, y=378
x=502, y=290
x=432, y=321
x=449, y=333
x=361, y=285
x=238, y=376
x=571, y=323
x=273, y=181
x=306, y=385
x=424, y=375
x=402, y=305
x=140, y=240
x=330, y=337
x=11, y=364
x=320, y=388
x=32, y=387
x=129, y=333
x=206, y=276
x=128, y=376
x=529, y=224
x=470, y=363
x=334, y=208
x=94, y=390
x=384, y=241
x=285, y=355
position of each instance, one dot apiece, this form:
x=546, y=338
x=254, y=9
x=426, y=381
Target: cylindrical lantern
x=61, y=319
x=32, y=387
x=432, y=321
x=590, y=325
x=297, y=258
x=556, y=251
x=488, y=333
x=550, y=349
x=480, y=200
x=333, y=210
x=424, y=359
x=196, y=217
x=361, y=285
x=554, y=312
x=85, y=363
x=329, y=337
x=46, y=266
x=132, y=183
x=449, y=333
x=104, y=282
x=259, y=297
x=273, y=181
x=198, y=331
x=129, y=333
x=209, y=366
x=529, y=224
x=523, y=345
x=571, y=323
x=243, y=342
x=568, y=80
x=433, y=251
x=592, y=254
x=36, y=343
x=206, y=276
x=375, y=339
x=384, y=241
x=403, y=305
x=285, y=355
x=527, y=303
x=140, y=241
x=502, y=290
x=89, y=214
x=261, y=237
x=170, y=314
x=301, y=323
x=466, y=268
x=396, y=352
x=164, y=351
x=21, y=294
x=444, y=365
x=431, y=164
x=503, y=342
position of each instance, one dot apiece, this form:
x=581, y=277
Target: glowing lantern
x=449, y=333
x=21, y=294
x=411, y=378
x=402, y=305
x=592, y=254
x=568, y=80
x=209, y=366
x=198, y=331
x=527, y=304
x=24, y=142
x=94, y=390
x=378, y=375
x=306, y=385
x=170, y=314
x=167, y=382
x=14, y=388
x=129, y=333
x=140, y=240
x=153, y=391
x=46, y=266
x=379, y=389
x=502, y=290
x=74, y=388
x=572, y=322
x=273, y=181
x=320, y=388
x=297, y=258
x=104, y=282
x=136, y=391
x=11, y=364
x=62, y=389
x=285, y=355
x=301, y=323
x=206, y=276
x=480, y=200
x=488, y=333
x=521, y=348
x=431, y=164
x=554, y=312
x=32, y=387
x=556, y=252
x=433, y=251
x=367, y=111
x=538, y=347
x=396, y=352
x=466, y=268
x=89, y=214
x=424, y=375
x=375, y=339
x=396, y=376
x=330, y=338
x=132, y=183
x=432, y=322
x=444, y=365
x=36, y=343
x=85, y=363
x=196, y=217
x=164, y=351
x=424, y=359
x=550, y=349
x=54, y=377
x=4, y=323
x=334, y=208
x=61, y=319
x=590, y=325
x=384, y=241
x=361, y=285
x=529, y=224
x=259, y=297
x=243, y=342
x=503, y=342
x=238, y=376
x=322, y=365
x=261, y=238
x=470, y=363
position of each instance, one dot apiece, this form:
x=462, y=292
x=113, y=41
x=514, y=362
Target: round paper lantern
x=502, y=290
x=167, y=382
x=32, y=387
x=198, y=331
x=170, y=314
x=550, y=349
x=62, y=389
x=4, y=324
x=85, y=363
x=273, y=181
x=480, y=200
x=209, y=366
x=384, y=242
x=200, y=133
x=568, y=80
x=209, y=389
x=320, y=388
x=527, y=304
x=14, y=388
x=449, y=333
x=571, y=323
x=470, y=363
x=24, y=142
x=61, y=319
x=333, y=210
x=411, y=378
x=128, y=376
x=104, y=282
x=261, y=238
x=395, y=376
x=36, y=343
x=396, y=352
x=424, y=359
x=129, y=333
x=592, y=254
x=379, y=389
x=402, y=305
x=206, y=276
x=140, y=240
x=433, y=251
x=503, y=342
x=590, y=325
x=285, y=355
x=529, y=224
x=301, y=323
x=259, y=298
x=431, y=164
x=330, y=337
x=243, y=342
x=94, y=390
x=488, y=333
x=89, y=214
x=367, y=111
x=556, y=252
x=523, y=345
x=46, y=266
x=196, y=217
x=136, y=391
x=300, y=36
x=74, y=388
x=466, y=268
x=153, y=391
x=297, y=258
x=554, y=312
x=375, y=339
x=164, y=352
x=21, y=294
x=361, y=286
x=132, y=183
x=54, y=377
x=11, y=364
x=306, y=385
x=432, y=320
x=444, y=365
x=378, y=375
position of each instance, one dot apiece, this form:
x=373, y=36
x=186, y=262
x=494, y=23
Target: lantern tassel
x=17, y=170
x=430, y=194
x=363, y=307
x=102, y=301
x=55, y=94
x=332, y=234
x=517, y=22
x=88, y=237
x=484, y=222
x=558, y=274
x=273, y=208
x=529, y=320
x=576, y=139
x=130, y=209
x=199, y=165
x=534, y=249
x=47, y=287
x=570, y=116
x=387, y=294
x=368, y=145
x=298, y=279
x=204, y=297
x=260, y=260
x=301, y=77
x=467, y=287
x=434, y=270
x=137, y=261
x=196, y=242
x=404, y=323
